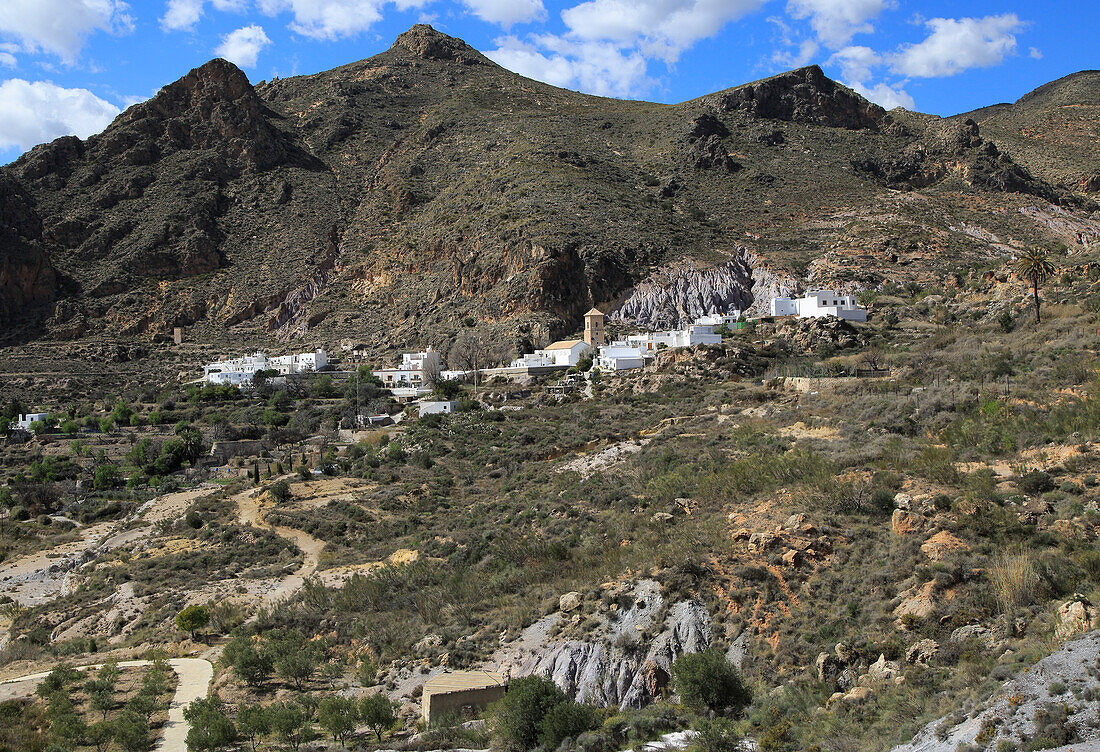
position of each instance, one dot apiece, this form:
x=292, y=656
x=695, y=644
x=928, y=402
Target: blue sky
x=69, y=66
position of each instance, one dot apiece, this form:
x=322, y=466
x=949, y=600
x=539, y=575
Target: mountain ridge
x=426, y=186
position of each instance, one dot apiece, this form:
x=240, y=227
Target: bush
x=707, y=681
x=192, y=618
x=1014, y=578
x=1035, y=482
x=716, y=735
x=566, y=720
x=280, y=491
x=516, y=719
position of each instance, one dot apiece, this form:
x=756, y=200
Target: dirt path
x=250, y=511
x=194, y=675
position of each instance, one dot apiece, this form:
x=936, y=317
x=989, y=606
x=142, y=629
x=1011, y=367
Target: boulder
x=974, y=632
x=916, y=603
x=880, y=671
x=942, y=544
x=662, y=517
x=921, y=652
x=902, y=500
x=570, y=601
x=906, y=523
x=1075, y=616
x=792, y=557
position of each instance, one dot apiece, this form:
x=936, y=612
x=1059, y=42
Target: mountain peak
x=803, y=95
x=426, y=43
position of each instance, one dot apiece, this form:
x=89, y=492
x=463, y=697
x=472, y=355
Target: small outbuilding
x=437, y=407
x=456, y=692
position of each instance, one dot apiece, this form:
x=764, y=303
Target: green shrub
x=707, y=681
x=516, y=719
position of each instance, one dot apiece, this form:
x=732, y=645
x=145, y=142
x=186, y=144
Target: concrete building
x=619, y=356
x=718, y=319
x=595, y=331
x=459, y=692
x=817, y=304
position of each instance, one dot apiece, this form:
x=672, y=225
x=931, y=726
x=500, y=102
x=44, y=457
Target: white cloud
x=507, y=13
x=658, y=28
x=32, y=112
x=7, y=54
x=593, y=67
x=956, y=45
x=856, y=62
x=885, y=95
x=1035, y=53
x=182, y=15
x=807, y=51
x=242, y=47
x=59, y=27
x=836, y=21
x=333, y=19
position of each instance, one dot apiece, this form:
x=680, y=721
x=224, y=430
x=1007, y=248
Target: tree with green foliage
x=251, y=664
x=280, y=492
x=338, y=716
x=707, y=681
x=1035, y=266
x=58, y=680
x=132, y=732
x=516, y=719
x=100, y=735
x=106, y=477
x=192, y=618
x=377, y=712
x=191, y=438
x=290, y=724
x=211, y=729
x=254, y=722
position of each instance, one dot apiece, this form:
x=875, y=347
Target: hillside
x=426, y=186
x=1053, y=130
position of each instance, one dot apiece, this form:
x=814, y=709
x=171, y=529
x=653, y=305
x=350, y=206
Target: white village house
x=24, y=421
x=694, y=334
x=437, y=407
x=415, y=372
x=819, y=303
x=562, y=354
x=239, y=371
x=620, y=356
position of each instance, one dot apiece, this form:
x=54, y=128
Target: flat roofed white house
x=24, y=421
x=239, y=371
x=818, y=304
x=437, y=407
x=695, y=334
x=414, y=372
x=717, y=319
x=620, y=356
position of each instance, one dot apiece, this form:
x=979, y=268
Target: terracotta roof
x=564, y=344
x=456, y=681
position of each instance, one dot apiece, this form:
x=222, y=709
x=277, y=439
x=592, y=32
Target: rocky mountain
x=427, y=189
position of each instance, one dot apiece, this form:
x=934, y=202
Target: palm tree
x=1035, y=266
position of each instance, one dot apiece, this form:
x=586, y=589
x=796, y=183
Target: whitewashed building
x=24, y=421
x=817, y=304
x=718, y=319
x=239, y=371
x=563, y=353
x=695, y=334
x=619, y=356
x=437, y=407
x=415, y=372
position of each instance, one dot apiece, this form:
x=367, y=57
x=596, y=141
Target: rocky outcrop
x=425, y=42
x=954, y=147
x=1035, y=704
x=805, y=95
x=677, y=294
x=627, y=660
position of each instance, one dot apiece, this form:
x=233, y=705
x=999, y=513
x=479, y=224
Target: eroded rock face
x=617, y=666
x=805, y=95
x=677, y=294
x=425, y=42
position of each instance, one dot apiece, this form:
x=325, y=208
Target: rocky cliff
x=27, y=279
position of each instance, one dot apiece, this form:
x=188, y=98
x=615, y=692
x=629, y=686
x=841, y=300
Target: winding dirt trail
x=194, y=675
x=250, y=511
